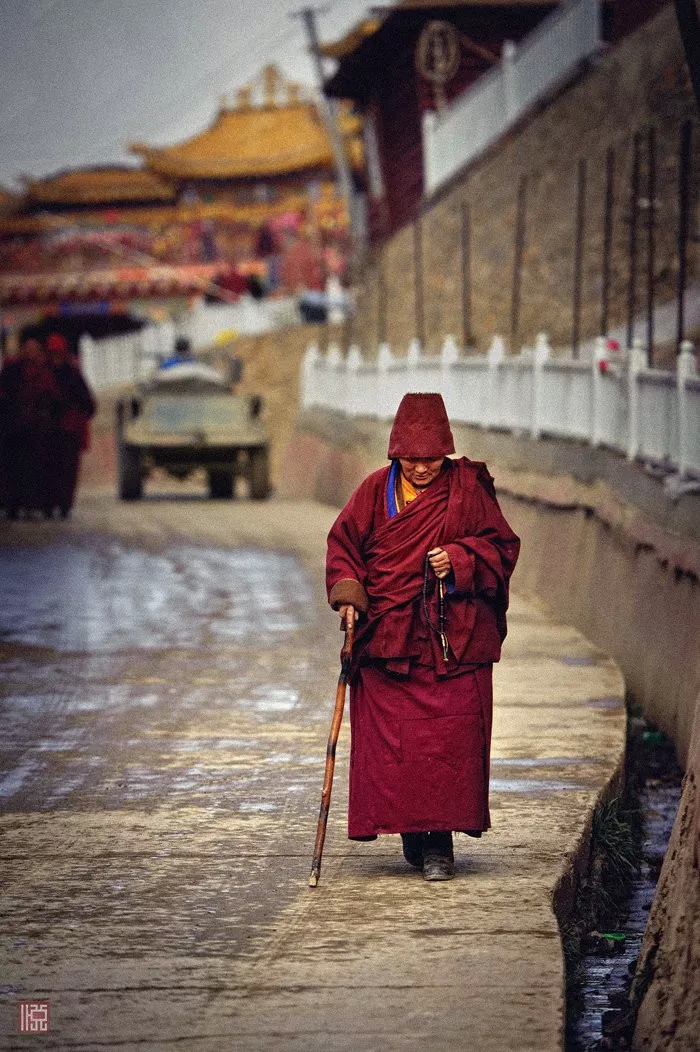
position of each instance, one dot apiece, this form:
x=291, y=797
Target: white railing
x=247, y=317
x=131, y=358
x=127, y=359
x=544, y=60
x=647, y=414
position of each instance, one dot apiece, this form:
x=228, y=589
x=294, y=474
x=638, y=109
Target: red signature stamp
x=34, y=1017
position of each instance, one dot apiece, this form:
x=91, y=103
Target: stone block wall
x=640, y=83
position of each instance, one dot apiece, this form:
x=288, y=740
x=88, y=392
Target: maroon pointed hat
x=421, y=428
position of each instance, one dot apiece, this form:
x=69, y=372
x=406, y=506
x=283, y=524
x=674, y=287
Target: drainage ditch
x=602, y=938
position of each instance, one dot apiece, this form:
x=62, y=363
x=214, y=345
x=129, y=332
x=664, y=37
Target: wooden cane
x=345, y=656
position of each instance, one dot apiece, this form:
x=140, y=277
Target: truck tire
x=220, y=484
x=130, y=473
x=259, y=473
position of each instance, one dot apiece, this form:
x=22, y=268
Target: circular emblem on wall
x=437, y=56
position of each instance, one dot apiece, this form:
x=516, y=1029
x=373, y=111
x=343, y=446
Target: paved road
x=168, y=671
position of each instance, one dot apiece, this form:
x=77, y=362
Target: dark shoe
x=413, y=849
x=438, y=857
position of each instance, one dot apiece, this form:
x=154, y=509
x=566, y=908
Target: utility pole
x=329, y=111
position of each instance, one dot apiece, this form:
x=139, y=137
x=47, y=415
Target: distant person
x=29, y=401
x=313, y=307
x=256, y=287
x=70, y=435
x=182, y=352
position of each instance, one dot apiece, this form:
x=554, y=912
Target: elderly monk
x=421, y=557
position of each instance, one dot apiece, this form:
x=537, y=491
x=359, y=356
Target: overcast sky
x=79, y=79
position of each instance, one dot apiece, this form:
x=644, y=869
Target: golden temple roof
x=367, y=27
x=95, y=186
x=162, y=216
x=251, y=141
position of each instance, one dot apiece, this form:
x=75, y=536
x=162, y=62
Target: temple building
x=212, y=216
x=416, y=57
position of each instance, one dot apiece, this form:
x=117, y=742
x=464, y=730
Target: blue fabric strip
x=391, y=489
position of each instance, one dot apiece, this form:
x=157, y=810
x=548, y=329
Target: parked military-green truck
x=188, y=417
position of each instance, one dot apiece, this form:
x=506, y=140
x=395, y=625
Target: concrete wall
x=642, y=81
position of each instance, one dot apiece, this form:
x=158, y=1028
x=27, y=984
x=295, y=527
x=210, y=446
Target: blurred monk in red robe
x=70, y=433
x=28, y=402
x=421, y=557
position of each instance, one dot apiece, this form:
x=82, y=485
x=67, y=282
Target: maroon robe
x=421, y=725
x=69, y=434
x=28, y=402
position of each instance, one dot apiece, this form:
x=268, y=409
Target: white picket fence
x=247, y=317
x=543, y=60
x=126, y=359
x=130, y=358
x=647, y=414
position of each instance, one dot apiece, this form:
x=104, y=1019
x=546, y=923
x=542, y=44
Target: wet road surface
x=164, y=709
x=160, y=717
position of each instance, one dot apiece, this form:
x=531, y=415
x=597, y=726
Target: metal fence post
x=634, y=207
x=683, y=226
x=651, y=220
x=578, y=255
x=518, y=251
x=465, y=232
x=418, y=289
x=607, y=239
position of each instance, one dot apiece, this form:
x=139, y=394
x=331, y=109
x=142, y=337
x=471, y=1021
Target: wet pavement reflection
x=158, y=711
x=110, y=597
x=113, y=651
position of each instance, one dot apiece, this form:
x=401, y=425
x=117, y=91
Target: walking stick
x=345, y=656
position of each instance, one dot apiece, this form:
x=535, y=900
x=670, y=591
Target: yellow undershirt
x=408, y=492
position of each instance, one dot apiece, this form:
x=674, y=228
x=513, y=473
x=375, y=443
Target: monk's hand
x=347, y=610
x=440, y=562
